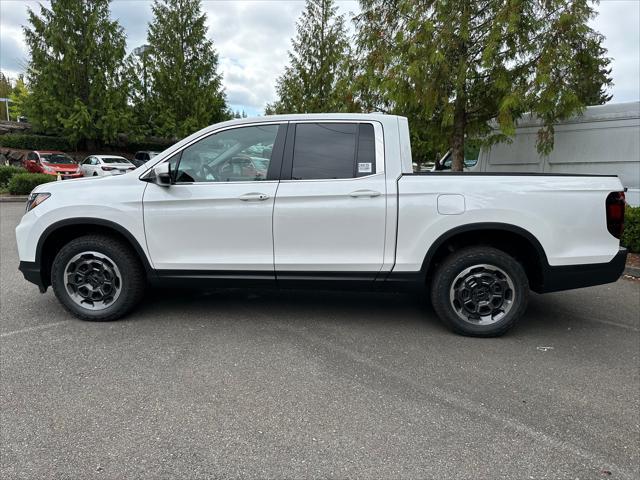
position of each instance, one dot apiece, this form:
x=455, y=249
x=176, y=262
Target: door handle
x=247, y=197
x=364, y=193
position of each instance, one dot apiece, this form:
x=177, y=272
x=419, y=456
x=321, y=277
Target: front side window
x=333, y=150
x=236, y=155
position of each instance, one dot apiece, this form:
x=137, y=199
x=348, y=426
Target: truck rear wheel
x=97, y=278
x=480, y=291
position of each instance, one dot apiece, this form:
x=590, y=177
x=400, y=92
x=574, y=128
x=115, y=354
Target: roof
x=48, y=151
x=309, y=116
x=109, y=156
x=609, y=111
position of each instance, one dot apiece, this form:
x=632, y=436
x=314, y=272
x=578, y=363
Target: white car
x=101, y=165
x=333, y=203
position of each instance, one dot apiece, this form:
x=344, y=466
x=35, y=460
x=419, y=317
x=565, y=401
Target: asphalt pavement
x=260, y=384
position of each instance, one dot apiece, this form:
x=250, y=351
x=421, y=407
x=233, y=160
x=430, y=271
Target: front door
x=217, y=215
x=330, y=210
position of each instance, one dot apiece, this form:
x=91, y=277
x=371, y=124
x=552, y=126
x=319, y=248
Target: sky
x=252, y=38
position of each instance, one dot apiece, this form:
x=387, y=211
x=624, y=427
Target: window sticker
x=364, y=167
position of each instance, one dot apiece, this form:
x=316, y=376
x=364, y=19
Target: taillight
x=615, y=213
x=107, y=169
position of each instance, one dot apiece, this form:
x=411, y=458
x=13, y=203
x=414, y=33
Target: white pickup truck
x=321, y=200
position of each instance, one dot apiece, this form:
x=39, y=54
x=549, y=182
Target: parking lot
x=288, y=384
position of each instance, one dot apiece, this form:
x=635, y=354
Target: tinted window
x=366, y=163
x=236, y=155
x=324, y=150
x=114, y=160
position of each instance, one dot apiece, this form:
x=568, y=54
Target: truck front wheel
x=480, y=291
x=97, y=278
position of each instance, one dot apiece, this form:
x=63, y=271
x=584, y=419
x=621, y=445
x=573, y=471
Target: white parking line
x=32, y=329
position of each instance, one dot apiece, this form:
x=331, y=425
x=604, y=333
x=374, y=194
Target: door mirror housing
x=160, y=175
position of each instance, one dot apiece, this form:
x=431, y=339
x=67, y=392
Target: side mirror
x=161, y=174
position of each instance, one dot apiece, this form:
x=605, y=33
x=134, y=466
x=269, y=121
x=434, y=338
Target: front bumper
x=32, y=273
x=568, y=277
x=68, y=176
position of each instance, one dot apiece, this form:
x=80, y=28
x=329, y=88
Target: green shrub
x=23, y=183
x=631, y=235
x=6, y=172
x=34, y=142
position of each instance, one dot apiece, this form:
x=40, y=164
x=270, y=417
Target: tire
x=95, y=174
x=480, y=291
x=110, y=278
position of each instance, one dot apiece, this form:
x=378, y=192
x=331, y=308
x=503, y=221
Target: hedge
x=6, y=172
x=34, y=142
x=631, y=234
x=23, y=183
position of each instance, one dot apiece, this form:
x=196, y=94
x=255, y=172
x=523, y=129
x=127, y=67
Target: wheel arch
x=58, y=234
x=514, y=240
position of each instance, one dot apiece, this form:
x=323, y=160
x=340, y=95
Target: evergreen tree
x=19, y=97
x=317, y=77
x=5, y=92
x=454, y=66
x=185, y=85
x=5, y=86
x=75, y=71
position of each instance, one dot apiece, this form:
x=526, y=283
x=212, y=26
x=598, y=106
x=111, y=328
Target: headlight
x=36, y=199
x=48, y=169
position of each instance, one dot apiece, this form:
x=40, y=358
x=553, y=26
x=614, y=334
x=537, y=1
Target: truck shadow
x=400, y=310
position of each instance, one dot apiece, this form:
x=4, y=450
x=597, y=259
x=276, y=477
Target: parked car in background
x=100, y=165
x=604, y=140
x=52, y=162
x=142, y=157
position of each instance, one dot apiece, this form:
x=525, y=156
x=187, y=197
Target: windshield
x=56, y=158
x=114, y=160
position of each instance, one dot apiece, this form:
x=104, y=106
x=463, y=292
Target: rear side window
x=333, y=150
x=366, y=158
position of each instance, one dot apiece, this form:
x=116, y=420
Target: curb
x=632, y=271
x=13, y=199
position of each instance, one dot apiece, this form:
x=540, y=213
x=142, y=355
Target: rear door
x=329, y=214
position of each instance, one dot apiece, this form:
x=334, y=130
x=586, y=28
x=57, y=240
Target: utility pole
x=141, y=52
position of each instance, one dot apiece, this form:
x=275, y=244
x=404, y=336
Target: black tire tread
x=129, y=265
x=459, y=260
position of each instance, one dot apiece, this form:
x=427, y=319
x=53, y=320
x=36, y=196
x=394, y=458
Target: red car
x=52, y=163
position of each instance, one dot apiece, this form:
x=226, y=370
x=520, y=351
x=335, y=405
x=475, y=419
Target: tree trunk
x=457, y=138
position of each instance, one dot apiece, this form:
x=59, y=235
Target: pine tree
x=185, y=85
x=5, y=92
x=75, y=71
x=316, y=79
x=454, y=66
x=5, y=86
x=19, y=97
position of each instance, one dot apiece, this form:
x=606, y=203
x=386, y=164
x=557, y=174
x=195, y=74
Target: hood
x=95, y=183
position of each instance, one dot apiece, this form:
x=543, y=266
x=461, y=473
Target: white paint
x=371, y=223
